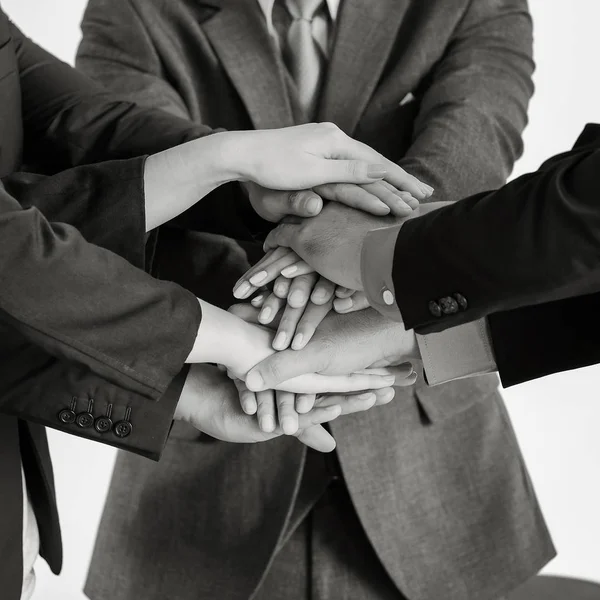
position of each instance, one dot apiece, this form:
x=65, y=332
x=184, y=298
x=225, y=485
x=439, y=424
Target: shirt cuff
x=377, y=261
x=456, y=353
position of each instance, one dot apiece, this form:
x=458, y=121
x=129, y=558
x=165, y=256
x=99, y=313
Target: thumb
x=280, y=367
x=351, y=171
x=283, y=235
x=303, y=203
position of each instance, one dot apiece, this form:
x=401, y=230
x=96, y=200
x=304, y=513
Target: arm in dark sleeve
x=117, y=51
x=83, y=303
x=467, y=134
x=535, y=341
x=67, y=333
x=79, y=122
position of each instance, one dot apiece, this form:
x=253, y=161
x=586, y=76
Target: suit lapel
x=240, y=39
x=366, y=32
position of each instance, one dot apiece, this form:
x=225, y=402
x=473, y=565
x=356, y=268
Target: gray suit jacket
x=437, y=478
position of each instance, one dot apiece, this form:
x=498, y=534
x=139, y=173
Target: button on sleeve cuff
x=377, y=260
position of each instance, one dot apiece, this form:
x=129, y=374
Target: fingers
x=270, y=309
x=395, y=200
x=287, y=327
x=303, y=203
x=323, y=292
x=406, y=196
x=266, y=410
x=317, y=383
x=300, y=290
x=247, y=312
x=399, y=178
x=353, y=403
x=358, y=301
x=258, y=300
x=306, y=402
x=281, y=287
x=280, y=367
x=247, y=398
x=317, y=438
x=327, y=170
x=299, y=268
x=311, y=318
x=343, y=292
x=264, y=271
x=286, y=410
x=282, y=236
x=358, y=197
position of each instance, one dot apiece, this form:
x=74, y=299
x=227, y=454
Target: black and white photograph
x=299, y=300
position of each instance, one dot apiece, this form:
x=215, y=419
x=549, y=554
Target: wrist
x=236, y=154
x=220, y=337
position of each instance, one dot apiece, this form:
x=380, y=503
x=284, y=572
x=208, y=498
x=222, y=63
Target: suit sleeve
x=117, y=51
x=534, y=240
x=80, y=321
x=71, y=118
x=467, y=134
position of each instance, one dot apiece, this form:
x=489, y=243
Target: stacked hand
x=324, y=164
x=300, y=299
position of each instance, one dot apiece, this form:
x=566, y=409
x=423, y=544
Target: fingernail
x=248, y=408
x=376, y=171
x=256, y=300
x=281, y=289
x=256, y=279
x=388, y=395
x=242, y=290
x=297, y=343
x=289, y=270
x=279, y=342
x=367, y=396
x=313, y=206
x=343, y=304
x=255, y=382
x=289, y=425
x=297, y=299
x=427, y=189
x=267, y=423
x=318, y=295
x=265, y=314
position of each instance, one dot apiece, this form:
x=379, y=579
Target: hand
x=210, y=402
x=342, y=344
x=331, y=243
x=291, y=408
x=302, y=157
x=378, y=198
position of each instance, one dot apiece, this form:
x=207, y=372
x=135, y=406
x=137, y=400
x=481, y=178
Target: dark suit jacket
x=77, y=322
x=437, y=478
x=534, y=241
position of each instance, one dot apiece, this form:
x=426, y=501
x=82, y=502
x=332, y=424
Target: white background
x=557, y=419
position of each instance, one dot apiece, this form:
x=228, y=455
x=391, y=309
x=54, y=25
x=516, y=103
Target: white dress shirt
x=31, y=544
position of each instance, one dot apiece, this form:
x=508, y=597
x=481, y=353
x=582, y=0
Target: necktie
x=303, y=55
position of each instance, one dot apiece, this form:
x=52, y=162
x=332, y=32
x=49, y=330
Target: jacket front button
x=123, y=429
x=434, y=309
x=67, y=416
x=448, y=305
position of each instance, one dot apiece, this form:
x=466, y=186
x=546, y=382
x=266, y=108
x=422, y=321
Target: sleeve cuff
x=456, y=353
x=377, y=260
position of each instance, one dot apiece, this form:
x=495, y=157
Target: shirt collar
x=266, y=6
